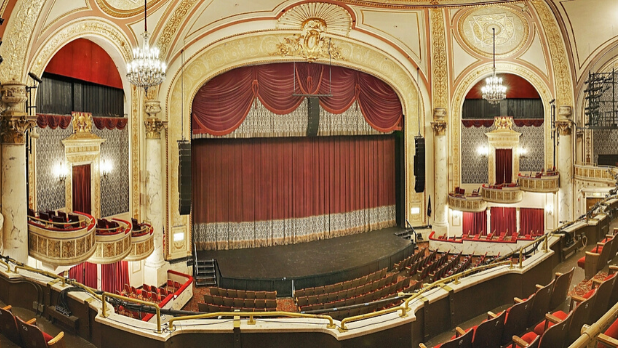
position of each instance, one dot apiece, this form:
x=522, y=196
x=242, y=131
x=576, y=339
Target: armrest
x=420, y=345
x=539, y=287
x=613, y=269
x=56, y=339
x=7, y=308
x=607, y=340
x=517, y=300
x=519, y=342
x=552, y=318
x=558, y=274
x=459, y=332
x=596, y=282
x=592, y=255
x=491, y=315
x=575, y=298
x=31, y=321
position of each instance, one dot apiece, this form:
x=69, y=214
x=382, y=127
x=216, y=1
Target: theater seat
x=33, y=337
x=463, y=341
x=596, y=259
x=610, y=337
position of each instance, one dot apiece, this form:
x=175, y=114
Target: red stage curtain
x=85, y=273
x=532, y=221
x=222, y=104
x=114, y=276
x=503, y=220
x=504, y=166
x=475, y=223
x=262, y=179
x=81, y=188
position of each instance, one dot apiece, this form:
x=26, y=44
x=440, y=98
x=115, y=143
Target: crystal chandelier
x=146, y=69
x=494, y=91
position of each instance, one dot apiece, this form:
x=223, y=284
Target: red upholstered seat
x=46, y=336
x=612, y=331
x=589, y=293
x=582, y=261
x=540, y=328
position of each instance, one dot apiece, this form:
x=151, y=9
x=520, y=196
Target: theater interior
x=333, y=174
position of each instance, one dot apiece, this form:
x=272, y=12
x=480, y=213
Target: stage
x=309, y=264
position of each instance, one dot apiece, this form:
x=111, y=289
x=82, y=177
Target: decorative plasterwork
x=564, y=127
x=154, y=126
x=124, y=8
x=258, y=48
x=111, y=248
x=439, y=128
x=172, y=24
x=61, y=248
x=135, y=152
x=504, y=196
x=469, y=204
x=512, y=30
x=558, y=54
x=335, y=18
x=15, y=122
x=17, y=38
x=438, y=59
x=470, y=80
x=503, y=123
x=503, y=137
x=544, y=184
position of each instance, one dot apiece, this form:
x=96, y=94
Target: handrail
x=7, y=266
x=406, y=306
x=20, y=265
x=251, y=315
x=128, y=299
x=60, y=223
x=590, y=333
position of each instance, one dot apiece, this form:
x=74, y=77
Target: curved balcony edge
x=114, y=247
x=142, y=243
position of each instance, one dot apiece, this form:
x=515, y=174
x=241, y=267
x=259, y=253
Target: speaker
x=419, y=164
x=184, y=177
x=313, y=109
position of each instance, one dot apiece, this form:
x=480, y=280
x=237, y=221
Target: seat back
x=8, y=326
x=31, y=336
x=489, y=333
x=613, y=249
x=540, y=306
x=555, y=336
x=516, y=320
x=561, y=288
x=581, y=316
x=603, y=294
x=463, y=341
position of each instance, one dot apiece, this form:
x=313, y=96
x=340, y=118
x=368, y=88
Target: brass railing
x=20, y=265
x=252, y=315
x=47, y=222
x=406, y=305
x=7, y=266
x=590, y=333
x=128, y=299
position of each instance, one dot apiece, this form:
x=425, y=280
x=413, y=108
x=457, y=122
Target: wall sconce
x=61, y=172
x=549, y=209
x=483, y=151
x=523, y=152
x=106, y=168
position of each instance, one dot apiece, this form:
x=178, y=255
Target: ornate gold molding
x=154, y=126
x=15, y=127
x=503, y=123
x=439, y=60
x=564, y=127
x=311, y=44
x=136, y=9
x=336, y=18
x=172, y=24
x=439, y=127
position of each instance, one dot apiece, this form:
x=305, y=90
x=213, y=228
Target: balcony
x=504, y=194
x=61, y=240
x=142, y=242
x=113, y=243
x=539, y=182
x=595, y=174
x=471, y=203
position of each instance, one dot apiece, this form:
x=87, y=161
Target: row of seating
x=349, y=293
x=239, y=302
x=25, y=333
x=443, y=271
x=419, y=264
x=375, y=295
x=499, y=329
x=243, y=294
x=598, y=257
x=58, y=219
x=433, y=265
x=348, y=284
x=400, y=266
x=212, y=308
x=105, y=226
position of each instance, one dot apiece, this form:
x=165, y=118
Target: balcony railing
x=113, y=244
x=505, y=194
x=544, y=183
x=142, y=243
x=470, y=203
x=594, y=173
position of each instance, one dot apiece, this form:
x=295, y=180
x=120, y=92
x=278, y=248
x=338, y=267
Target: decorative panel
x=49, y=154
x=605, y=142
x=115, y=188
x=531, y=139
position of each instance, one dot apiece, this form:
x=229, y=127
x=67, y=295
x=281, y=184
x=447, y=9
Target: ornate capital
x=15, y=127
x=564, y=127
x=439, y=127
x=565, y=111
x=154, y=127
x=152, y=108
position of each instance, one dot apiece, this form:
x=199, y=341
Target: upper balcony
x=473, y=202
x=503, y=193
x=142, y=242
x=539, y=182
x=595, y=174
x=61, y=239
x=113, y=241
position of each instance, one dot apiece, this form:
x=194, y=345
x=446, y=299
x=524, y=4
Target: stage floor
x=307, y=259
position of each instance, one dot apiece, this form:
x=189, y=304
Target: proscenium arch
x=471, y=79
x=261, y=48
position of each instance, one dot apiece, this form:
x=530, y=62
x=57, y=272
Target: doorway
x=81, y=189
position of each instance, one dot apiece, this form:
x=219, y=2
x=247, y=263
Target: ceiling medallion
x=311, y=44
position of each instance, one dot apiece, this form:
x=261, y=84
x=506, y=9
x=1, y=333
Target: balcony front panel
x=112, y=245
x=472, y=204
x=505, y=195
x=543, y=184
x=142, y=243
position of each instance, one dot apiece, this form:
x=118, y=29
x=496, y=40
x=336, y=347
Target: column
x=565, y=164
x=488, y=212
x=156, y=267
x=15, y=122
x=440, y=224
x=518, y=219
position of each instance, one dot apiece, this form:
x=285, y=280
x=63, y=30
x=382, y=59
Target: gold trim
x=154, y=126
x=439, y=128
x=120, y=13
x=564, y=127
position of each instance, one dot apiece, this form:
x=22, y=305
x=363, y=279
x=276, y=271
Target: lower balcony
x=539, y=182
x=142, y=242
x=504, y=193
x=113, y=242
x=62, y=239
x=472, y=203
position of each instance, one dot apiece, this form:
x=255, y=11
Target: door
x=81, y=189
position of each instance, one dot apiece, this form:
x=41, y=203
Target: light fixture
x=522, y=152
x=494, y=91
x=146, y=69
x=483, y=151
x=106, y=168
x=61, y=172
x=549, y=209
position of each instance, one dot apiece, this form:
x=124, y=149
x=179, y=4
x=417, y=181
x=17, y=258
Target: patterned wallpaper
x=605, y=142
x=475, y=167
x=114, y=189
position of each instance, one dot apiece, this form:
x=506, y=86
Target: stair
x=206, y=274
x=407, y=234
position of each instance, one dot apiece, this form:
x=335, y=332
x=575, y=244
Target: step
x=205, y=283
